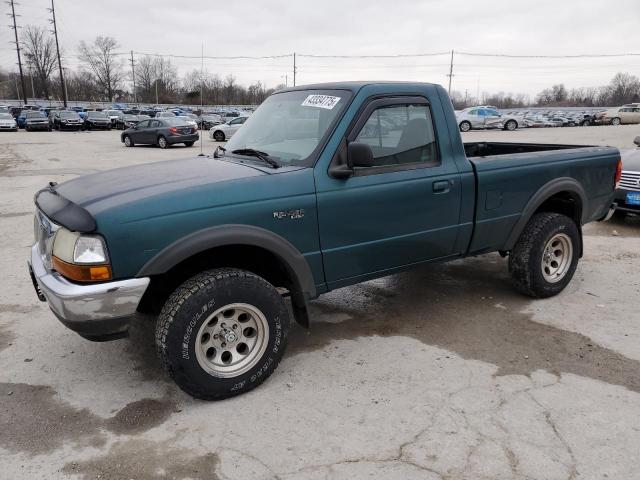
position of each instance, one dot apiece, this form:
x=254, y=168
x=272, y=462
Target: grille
x=630, y=180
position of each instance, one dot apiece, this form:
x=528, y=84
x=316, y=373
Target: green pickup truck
x=324, y=186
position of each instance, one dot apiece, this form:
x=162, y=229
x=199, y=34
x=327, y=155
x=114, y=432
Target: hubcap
x=557, y=257
x=127, y=141
x=162, y=142
x=232, y=340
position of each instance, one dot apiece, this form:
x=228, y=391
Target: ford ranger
x=324, y=186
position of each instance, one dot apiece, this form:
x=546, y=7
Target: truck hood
x=128, y=185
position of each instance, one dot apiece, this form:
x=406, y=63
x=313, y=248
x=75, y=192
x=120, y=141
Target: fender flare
x=558, y=185
x=226, y=235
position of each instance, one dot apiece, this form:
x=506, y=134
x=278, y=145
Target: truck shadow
x=466, y=307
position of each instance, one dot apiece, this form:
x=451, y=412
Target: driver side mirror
x=359, y=155
x=637, y=141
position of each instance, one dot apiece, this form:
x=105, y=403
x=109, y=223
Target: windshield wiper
x=251, y=152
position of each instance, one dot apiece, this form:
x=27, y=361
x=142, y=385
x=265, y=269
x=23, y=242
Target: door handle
x=441, y=186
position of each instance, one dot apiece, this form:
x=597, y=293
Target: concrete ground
x=440, y=373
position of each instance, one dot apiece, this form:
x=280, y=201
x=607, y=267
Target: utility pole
x=133, y=75
x=450, y=72
x=201, y=76
x=157, y=91
x=63, y=86
x=15, y=30
x=294, y=69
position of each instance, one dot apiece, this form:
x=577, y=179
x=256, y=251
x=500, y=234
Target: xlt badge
x=292, y=214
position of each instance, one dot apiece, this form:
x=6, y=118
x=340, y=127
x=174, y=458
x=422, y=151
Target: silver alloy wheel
x=615, y=121
x=465, y=126
x=557, y=257
x=511, y=125
x=127, y=141
x=232, y=340
x=162, y=142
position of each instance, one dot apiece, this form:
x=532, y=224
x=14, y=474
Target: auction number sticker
x=321, y=101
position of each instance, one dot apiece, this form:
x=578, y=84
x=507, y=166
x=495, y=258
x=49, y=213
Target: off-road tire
x=526, y=257
x=186, y=310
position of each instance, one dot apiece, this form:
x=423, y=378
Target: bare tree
x=101, y=58
x=40, y=52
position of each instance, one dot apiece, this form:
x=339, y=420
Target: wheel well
x=565, y=203
x=257, y=260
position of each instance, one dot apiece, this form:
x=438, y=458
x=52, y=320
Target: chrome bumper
x=93, y=310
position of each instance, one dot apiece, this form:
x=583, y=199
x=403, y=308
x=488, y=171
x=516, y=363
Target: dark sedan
x=97, y=120
x=129, y=120
x=628, y=192
x=36, y=121
x=163, y=132
x=65, y=120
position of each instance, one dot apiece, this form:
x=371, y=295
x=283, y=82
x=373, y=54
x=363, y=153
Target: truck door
x=402, y=210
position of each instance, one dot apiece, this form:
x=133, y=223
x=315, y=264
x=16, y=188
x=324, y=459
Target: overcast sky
x=363, y=27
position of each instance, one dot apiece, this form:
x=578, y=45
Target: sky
x=361, y=28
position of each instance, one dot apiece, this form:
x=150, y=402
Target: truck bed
x=508, y=175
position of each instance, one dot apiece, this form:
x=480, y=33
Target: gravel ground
x=440, y=373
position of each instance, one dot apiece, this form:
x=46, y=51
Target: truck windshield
x=290, y=126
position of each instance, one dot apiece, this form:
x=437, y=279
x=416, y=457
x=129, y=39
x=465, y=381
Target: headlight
x=80, y=257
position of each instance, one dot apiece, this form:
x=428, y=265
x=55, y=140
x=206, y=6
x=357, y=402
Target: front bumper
x=37, y=126
x=97, y=311
x=621, y=201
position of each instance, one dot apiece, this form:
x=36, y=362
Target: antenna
x=201, y=154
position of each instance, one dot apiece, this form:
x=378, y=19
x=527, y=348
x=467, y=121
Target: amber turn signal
x=82, y=273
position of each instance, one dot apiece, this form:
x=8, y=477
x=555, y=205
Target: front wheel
x=615, y=121
x=465, y=126
x=222, y=333
x=511, y=125
x=127, y=141
x=546, y=255
x=162, y=142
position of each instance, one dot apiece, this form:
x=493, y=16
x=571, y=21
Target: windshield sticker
x=321, y=101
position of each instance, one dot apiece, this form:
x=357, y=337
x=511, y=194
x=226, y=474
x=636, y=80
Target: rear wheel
x=218, y=136
x=162, y=142
x=546, y=256
x=222, y=333
x=615, y=121
x=465, y=126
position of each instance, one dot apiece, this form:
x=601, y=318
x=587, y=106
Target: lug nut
x=215, y=336
x=223, y=325
x=235, y=325
x=224, y=344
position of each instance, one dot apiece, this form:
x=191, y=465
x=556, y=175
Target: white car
x=224, y=131
x=486, y=117
x=7, y=122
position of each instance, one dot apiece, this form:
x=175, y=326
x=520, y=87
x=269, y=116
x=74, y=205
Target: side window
x=399, y=135
x=473, y=112
x=143, y=124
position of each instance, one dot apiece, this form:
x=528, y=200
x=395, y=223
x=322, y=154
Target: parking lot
x=444, y=372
